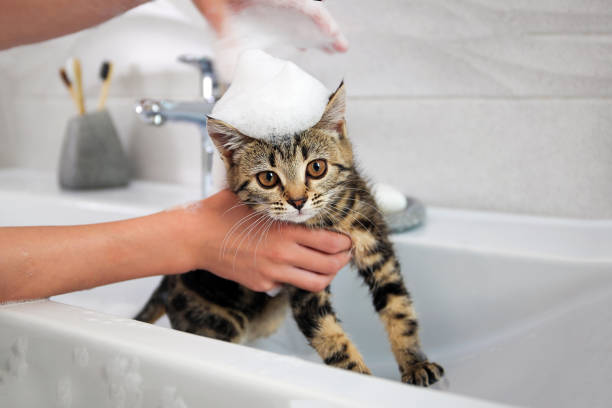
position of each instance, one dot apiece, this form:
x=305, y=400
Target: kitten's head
x=293, y=178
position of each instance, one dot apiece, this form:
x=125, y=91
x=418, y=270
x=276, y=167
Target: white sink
x=516, y=309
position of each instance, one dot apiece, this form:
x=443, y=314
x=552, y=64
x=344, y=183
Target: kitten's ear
x=226, y=138
x=333, y=117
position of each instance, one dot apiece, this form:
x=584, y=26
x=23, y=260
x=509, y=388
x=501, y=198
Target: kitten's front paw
x=423, y=374
x=358, y=367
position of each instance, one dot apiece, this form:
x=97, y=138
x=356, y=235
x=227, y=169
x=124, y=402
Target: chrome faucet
x=157, y=112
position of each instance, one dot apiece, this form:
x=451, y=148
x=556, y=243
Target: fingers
x=326, y=23
x=310, y=281
x=326, y=264
x=260, y=284
x=214, y=11
x=308, y=269
x=340, y=43
x=324, y=241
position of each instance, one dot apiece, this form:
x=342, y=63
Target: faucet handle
x=204, y=64
x=150, y=112
x=209, y=86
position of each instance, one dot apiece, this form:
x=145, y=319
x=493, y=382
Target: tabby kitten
x=307, y=178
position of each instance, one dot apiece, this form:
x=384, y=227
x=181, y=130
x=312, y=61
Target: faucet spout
x=158, y=112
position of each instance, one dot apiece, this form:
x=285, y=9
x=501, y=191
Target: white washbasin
x=516, y=309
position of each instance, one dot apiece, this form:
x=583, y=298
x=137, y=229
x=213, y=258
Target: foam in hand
x=262, y=24
x=270, y=98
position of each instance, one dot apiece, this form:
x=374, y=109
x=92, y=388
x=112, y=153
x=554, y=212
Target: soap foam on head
x=270, y=98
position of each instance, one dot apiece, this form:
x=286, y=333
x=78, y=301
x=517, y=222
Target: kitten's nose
x=298, y=202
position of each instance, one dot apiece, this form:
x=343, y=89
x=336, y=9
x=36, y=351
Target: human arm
x=28, y=21
x=38, y=262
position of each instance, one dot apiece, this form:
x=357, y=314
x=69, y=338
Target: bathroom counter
x=134, y=199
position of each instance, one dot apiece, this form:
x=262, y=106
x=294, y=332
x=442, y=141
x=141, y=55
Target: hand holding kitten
x=231, y=241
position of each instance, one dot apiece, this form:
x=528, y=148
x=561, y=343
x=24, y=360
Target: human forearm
x=38, y=262
x=28, y=21
x=219, y=234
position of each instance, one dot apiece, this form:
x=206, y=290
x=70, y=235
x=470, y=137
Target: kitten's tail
x=156, y=306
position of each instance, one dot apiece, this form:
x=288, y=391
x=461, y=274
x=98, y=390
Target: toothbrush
x=106, y=71
x=68, y=84
x=78, y=79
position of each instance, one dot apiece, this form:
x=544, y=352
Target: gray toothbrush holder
x=92, y=156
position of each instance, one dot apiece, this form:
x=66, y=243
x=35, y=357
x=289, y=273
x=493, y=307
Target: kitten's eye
x=267, y=179
x=316, y=168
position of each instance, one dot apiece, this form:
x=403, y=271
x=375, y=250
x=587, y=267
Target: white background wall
x=486, y=104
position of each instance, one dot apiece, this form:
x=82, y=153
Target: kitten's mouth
x=300, y=217
x=297, y=216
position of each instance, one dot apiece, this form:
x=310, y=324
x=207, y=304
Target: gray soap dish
x=411, y=217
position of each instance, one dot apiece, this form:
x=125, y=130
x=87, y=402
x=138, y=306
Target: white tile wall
x=542, y=156
x=486, y=104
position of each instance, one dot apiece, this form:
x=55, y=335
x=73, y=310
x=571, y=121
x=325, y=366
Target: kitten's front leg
x=317, y=321
x=380, y=269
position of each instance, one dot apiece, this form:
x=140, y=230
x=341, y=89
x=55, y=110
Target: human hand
x=216, y=12
x=230, y=240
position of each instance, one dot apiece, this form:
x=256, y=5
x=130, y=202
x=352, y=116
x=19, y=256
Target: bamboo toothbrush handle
x=78, y=79
x=105, y=87
x=68, y=84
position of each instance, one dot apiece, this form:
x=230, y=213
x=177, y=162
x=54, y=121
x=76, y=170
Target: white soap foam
x=270, y=97
x=193, y=206
x=274, y=23
x=274, y=291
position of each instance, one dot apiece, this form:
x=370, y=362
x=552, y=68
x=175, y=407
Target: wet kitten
x=308, y=178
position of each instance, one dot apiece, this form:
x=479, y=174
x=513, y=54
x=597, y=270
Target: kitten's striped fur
x=202, y=303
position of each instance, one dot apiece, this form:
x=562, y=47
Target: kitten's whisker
x=362, y=215
x=248, y=230
x=259, y=230
x=352, y=216
x=236, y=225
x=348, y=187
x=361, y=201
x=366, y=203
x=248, y=203
x=243, y=204
x=264, y=232
x=249, y=227
x=246, y=233
x=233, y=229
x=270, y=227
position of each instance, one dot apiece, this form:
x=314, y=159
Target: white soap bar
x=388, y=198
x=270, y=97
